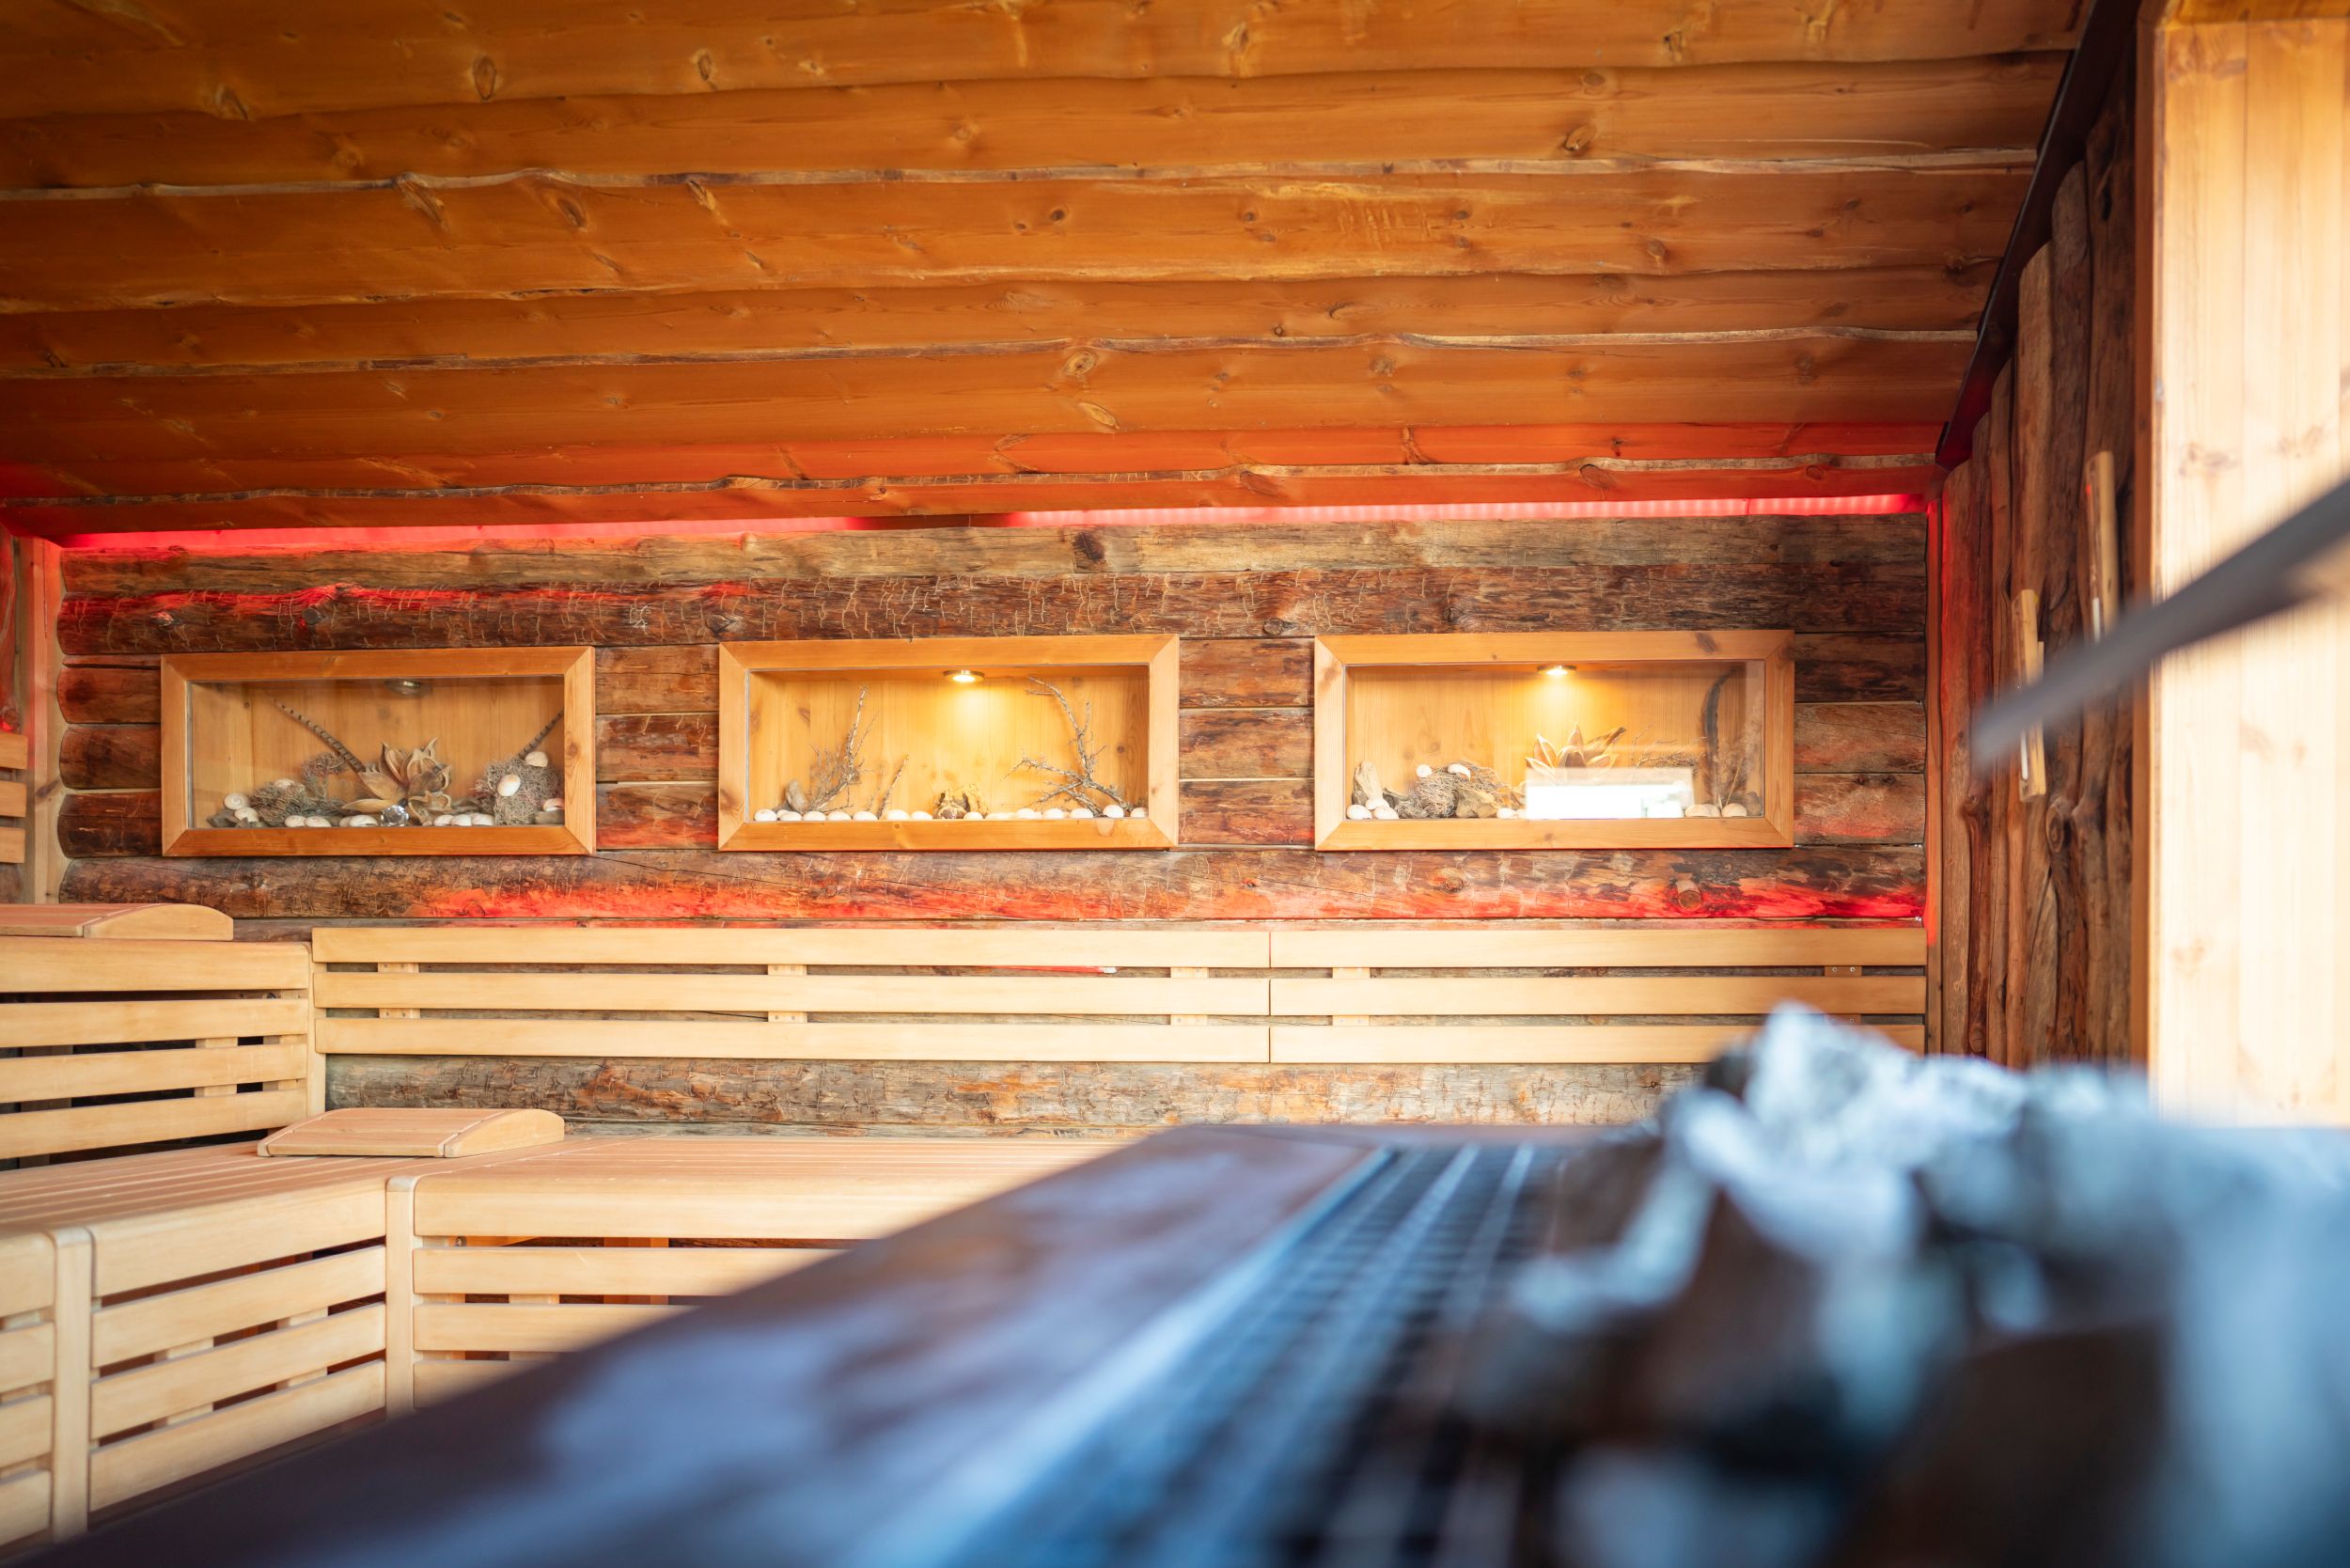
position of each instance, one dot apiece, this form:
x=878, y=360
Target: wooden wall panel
x=2034, y=920
x=1246, y=600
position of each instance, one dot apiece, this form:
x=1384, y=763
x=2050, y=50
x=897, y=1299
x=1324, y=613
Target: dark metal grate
x=1311, y=1425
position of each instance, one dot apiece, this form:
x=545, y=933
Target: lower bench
x=164, y=1315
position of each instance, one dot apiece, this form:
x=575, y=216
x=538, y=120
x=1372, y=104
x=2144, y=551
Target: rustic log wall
x=1247, y=599
x=2033, y=935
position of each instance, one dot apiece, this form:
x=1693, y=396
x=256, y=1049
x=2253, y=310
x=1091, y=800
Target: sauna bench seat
x=181, y=1311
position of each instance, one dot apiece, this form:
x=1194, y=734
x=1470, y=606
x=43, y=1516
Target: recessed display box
x=947, y=743
x=432, y=751
x=1614, y=740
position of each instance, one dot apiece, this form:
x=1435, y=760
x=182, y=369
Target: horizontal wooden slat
x=215, y=419
x=28, y=1273
x=163, y=1388
x=694, y=1270
x=12, y=846
x=604, y=990
x=134, y=1328
x=66, y=1077
x=527, y=235
x=330, y=1204
x=950, y=317
x=28, y=1354
x=601, y=1037
x=153, y=1459
x=12, y=798
x=23, y=1505
x=1531, y=1044
x=443, y=1326
x=1056, y=946
x=24, y=1429
x=16, y=749
x=118, y=921
x=108, y=1022
x=71, y=61
x=439, y=1378
x=1652, y=947
x=1771, y=110
x=140, y=965
x=54, y=1132
x=1497, y=995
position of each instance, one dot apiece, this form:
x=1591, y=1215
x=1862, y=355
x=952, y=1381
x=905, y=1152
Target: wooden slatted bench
x=988, y=994
x=1661, y=993
x=208, y=1305
x=542, y=1252
x=31, y=1341
x=117, y=1042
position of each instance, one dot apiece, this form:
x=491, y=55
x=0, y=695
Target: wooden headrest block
x=443, y=1134
x=153, y=922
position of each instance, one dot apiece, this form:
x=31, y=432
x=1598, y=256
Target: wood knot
x=485, y=77
x=1088, y=547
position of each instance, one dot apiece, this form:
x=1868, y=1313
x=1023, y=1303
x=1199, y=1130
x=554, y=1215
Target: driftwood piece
x=1080, y=784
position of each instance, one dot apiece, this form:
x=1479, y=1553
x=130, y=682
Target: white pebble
x=315, y=822
x=1027, y=813
x=479, y=819
x=863, y=817
x=1358, y=813
x=922, y=816
x=1460, y=768
x=1386, y=814
x=787, y=815
x=284, y=783
x=836, y=816
x=509, y=784
x=444, y=820
x=554, y=804
x=1423, y=769
x=1139, y=812
x=976, y=816
x=895, y=814
x=766, y=814
x=1113, y=812
x=362, y=820
x=1734, y=809
x=1081, y=813
x=535, y=760
x=233, y=803
x=246, y=814
x=1054, y=814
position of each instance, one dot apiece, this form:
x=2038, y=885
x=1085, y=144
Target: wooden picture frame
x=569, y=670
x=752, y=674
x=1341, y=662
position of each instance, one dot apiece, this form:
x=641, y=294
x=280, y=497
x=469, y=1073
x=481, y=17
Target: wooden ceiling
x=265, y=263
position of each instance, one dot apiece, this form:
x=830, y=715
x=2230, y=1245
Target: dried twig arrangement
x=881, y=801
x=1079, y=782
x=343, y=754
x=835, y=770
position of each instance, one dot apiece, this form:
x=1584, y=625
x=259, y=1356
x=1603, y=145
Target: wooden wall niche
x=1402, y=703
x=225, y=733
x=780, y=704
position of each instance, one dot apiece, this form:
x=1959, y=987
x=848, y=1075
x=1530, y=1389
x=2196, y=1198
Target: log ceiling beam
x=1449, y=121
x=279, y=58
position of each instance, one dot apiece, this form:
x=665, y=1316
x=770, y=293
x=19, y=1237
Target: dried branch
x=1078, y=782
x=834, y=772
x=881, y=801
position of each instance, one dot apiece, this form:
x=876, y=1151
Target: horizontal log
x=931, y=319
x=679, y=815
x=1771, y=110
x=649, y=679
x=548, y=232
x=1836, y=668
x=67, y=60
x=1829, y=598
x=1268, y=545
x=1827, y=882
x=1248, y=672
x=980, y=1097
x=110, y=694
x=110, y=757
x=1247, y=811
x=1135, y=384
x=1860, y=809
x=640, y=747
x=1860, y=737
x=1247, y=742
x=112, y=825
x=756, y=500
